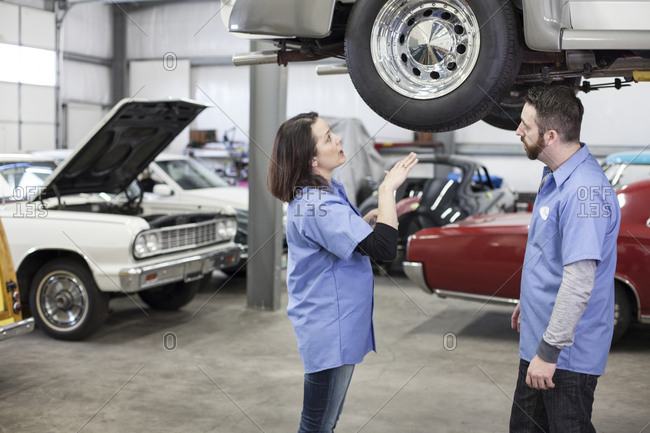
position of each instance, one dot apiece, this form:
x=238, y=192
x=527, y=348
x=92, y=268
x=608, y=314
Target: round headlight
x=221, y=230
x=152, y=242
x=231, y=226
x=140, y=247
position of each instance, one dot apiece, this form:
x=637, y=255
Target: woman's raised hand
x=397, y=175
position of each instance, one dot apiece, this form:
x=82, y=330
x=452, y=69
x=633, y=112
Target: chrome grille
x=165, y=240
x=188, y=236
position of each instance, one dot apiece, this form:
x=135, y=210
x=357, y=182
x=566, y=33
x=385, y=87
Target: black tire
x=206, y=283
x=65, y=301
x=237, y=271
x=170, y=297
x=463, y=97
x=507, y=115
x=622, y=311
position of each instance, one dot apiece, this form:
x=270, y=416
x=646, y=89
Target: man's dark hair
x=291, y=157
x=557, y=108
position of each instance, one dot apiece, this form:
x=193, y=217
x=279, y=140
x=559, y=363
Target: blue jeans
x=324, y=397
x=563, y=409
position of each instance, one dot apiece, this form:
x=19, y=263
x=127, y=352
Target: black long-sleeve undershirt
x=381, y=244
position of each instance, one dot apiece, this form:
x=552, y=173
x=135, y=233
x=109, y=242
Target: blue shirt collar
x=564, y=171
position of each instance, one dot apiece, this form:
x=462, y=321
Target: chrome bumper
x=18, y=328
x=415, y=272
x=186, y=269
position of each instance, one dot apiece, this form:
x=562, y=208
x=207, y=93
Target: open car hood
x=129, y=137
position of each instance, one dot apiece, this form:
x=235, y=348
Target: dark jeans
x=324, y=397
x=563, y=409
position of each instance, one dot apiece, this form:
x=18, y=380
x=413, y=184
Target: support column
x=119, y=74
x=268, y=100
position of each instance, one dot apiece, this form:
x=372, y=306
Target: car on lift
x=440, y=65
x=481, y=258
x=623, y=168
x=450, y=188
x=84, y=234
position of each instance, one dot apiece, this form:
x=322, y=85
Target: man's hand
x=515, y=320
x=407, y=205
x=540, y=374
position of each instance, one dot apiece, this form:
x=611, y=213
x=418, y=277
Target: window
x=27, y=65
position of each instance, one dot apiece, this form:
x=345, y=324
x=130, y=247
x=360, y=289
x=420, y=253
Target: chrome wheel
x=65, y=300
x=62, y=300
x=425, y=49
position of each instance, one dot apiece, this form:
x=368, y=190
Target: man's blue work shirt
x=330, y=285
x=576, y=217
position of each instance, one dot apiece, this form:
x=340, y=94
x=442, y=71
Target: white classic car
x=178, y=179
x=440, y=65
x=85, y=235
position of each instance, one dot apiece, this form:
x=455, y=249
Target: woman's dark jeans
x=563, y=409
x=324, y=397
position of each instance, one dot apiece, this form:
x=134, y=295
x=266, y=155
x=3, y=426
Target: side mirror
x=162, y=189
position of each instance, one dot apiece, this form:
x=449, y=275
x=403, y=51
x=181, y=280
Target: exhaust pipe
x=279, y=57
x=339, y=68
x=255, y=58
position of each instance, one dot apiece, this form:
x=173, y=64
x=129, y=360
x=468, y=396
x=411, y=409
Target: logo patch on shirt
x=543, y=212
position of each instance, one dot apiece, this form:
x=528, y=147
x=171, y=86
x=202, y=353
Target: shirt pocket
x=546, y=241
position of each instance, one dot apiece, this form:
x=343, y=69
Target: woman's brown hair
x=291, y=158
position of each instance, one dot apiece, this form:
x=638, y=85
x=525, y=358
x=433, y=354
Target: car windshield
x=191, y=174
x=620, y=174
x=23, y=180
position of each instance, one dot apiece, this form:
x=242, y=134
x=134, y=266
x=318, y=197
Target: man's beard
x=532, y=152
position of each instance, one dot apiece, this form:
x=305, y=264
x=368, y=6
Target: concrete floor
x=217, y=366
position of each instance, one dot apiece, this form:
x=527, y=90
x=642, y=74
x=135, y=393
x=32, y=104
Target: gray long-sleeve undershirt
x=571, y=301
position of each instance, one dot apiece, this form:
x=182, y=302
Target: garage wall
x=228, y=89
x=195, y=31
x=27, y=115
x=614, y=120
x=335, y=96
x=150, y=79
x=28, y=107
x=184, y=50
x=187, y=30
x=87, y=45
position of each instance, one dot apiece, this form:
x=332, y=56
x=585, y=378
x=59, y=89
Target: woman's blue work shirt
x=330, y=285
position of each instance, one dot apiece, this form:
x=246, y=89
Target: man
x=566, y=312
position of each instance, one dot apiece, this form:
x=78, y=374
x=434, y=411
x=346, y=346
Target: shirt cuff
x=547, y=352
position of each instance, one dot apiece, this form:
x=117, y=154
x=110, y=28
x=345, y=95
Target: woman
x=329, y=275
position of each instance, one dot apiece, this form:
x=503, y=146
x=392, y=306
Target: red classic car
x=481, y=257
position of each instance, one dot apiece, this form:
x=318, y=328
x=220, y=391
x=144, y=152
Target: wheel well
x=630, y=291
x=32, y=263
